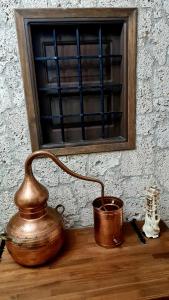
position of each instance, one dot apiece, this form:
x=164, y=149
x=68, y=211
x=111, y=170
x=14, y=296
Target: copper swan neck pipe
x=43, y=153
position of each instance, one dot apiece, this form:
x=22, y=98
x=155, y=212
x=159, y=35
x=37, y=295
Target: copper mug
x=108, y=221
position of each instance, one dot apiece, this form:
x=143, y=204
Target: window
x=78, y=67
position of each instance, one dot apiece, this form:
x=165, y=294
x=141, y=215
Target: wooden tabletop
x=84, y=270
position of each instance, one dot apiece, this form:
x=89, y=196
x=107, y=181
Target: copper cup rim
x=97, y=204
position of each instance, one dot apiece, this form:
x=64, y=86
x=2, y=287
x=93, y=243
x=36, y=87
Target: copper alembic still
x=35, y=234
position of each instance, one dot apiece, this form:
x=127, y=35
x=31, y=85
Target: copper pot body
x=108, y=221
x=36, y=234
x=35, y=241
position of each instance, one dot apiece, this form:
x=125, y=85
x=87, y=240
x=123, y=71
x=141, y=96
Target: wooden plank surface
x=84, y=270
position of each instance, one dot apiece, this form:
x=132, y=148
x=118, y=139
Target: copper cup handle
x=43, y=153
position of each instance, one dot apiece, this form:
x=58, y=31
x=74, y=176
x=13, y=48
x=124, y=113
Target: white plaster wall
x=125, y=173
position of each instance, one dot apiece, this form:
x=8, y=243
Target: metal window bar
x=109, y=118
x=101, y=80
x=59, y=86
x=107, y=87
x=116, y=114
x=80, y=83
x=116, y=57
x=50, y=106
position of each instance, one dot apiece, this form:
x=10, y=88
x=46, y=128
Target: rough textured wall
x=125, y=173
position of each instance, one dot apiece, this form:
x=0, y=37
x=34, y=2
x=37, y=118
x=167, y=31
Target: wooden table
x=84, y=270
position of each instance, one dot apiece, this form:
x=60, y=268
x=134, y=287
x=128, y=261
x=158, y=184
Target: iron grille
x=80, y=81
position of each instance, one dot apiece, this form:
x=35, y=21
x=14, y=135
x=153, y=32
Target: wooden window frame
x=28, y=72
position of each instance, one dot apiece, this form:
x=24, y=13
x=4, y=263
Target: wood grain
x=52, y=13
x=84, y=270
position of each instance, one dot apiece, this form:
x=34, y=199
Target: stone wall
x=125, y=173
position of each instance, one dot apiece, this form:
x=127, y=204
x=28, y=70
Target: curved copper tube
x=43, y=153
